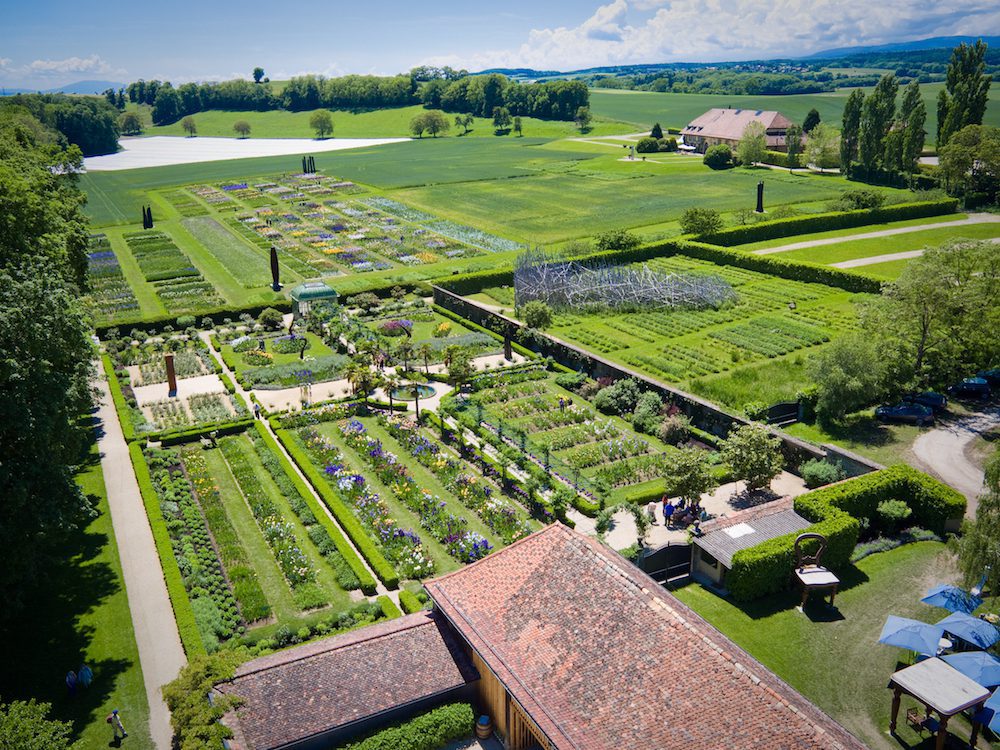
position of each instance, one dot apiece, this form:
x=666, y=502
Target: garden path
x=160, y=652
x=972, y=219
x=888, y=257
x=942, y=452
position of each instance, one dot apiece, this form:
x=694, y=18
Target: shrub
x=619, y=398
x=647, y=145
x=819, y=473
x=537, y=314
x=409, y=602
x=366, y=301
x=854, y=200
x=719, y=157
x=699, y=221
x=429, y=731
x=668, y=144
x=571, y=381
x=270, y=319
x=646, y=417
x=674, y=429
x=892, y=513
x=185, y=321
x=617, y=239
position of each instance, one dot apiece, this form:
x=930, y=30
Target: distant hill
x=80, y=87
x=937, y=42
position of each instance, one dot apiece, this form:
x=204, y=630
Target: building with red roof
x=726, y=126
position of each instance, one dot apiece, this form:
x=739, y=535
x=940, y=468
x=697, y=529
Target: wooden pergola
x=941, y=688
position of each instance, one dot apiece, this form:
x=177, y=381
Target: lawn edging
x=179, y=600
x=118, y=399
x=344, y=516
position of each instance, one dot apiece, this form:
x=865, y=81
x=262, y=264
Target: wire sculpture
x=571, y=284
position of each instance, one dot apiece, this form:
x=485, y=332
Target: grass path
x=834, y=659
x=888, y=258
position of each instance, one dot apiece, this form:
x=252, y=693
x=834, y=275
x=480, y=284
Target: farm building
x=563, y=643
x=726, y=126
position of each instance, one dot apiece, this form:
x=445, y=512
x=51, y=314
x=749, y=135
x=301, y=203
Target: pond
x=406, y=392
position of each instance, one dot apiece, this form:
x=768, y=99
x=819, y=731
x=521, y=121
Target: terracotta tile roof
x=724, y=537
x=728, y=124
x=601, y=657
x=304, y=691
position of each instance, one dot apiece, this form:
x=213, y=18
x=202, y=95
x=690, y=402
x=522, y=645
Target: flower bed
x=464, y=545
x=110, y=293
x=401, y=546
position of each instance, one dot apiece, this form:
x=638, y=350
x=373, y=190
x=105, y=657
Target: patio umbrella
x=977, y=632
x=952, y=598
x=911, y=634
x=990, y=713
x=978, y=666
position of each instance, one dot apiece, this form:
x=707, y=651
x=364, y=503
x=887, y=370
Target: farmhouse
x=563, y=643
x=726, y=126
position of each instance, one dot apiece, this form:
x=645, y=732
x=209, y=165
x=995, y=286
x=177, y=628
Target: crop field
x=380, y=123
x=643, y=108
x=111, y=297
x=248, y=544
x=424, y=508
x=766, y=331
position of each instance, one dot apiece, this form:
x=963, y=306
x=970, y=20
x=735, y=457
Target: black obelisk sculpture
x=275, y=284
x=760, y=197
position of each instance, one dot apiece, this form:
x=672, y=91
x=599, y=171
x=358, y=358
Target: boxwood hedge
x=121, y=408
x=409, y=602
x=835, y=512
x=428, y=731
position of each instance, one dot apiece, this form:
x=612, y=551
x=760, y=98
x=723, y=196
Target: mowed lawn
x=572, y=198
x=379, y=123
x=832, y=657
x=79, y=614
x=676, y=110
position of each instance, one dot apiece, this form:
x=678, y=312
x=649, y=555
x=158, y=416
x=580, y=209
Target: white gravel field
x=164, y=150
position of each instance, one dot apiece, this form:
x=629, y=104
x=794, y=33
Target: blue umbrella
x=990, y=713
x=978, y=666
x=977, y=632
x=911, y=634
x=952, y=598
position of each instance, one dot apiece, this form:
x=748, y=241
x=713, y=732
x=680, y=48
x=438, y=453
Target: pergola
x=941, y=688
x=308, y=293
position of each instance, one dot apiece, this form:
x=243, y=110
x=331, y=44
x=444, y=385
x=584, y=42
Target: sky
x=48, y=43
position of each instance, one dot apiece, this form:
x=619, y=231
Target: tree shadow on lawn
x=816, y=609
x=862, y=429
x=47, y=639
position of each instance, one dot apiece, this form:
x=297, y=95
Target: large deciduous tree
x=970, y=163
x=811, y=121
x=823, y=147
x=322, y=122
x=753, y=454
x=849, y=374
x=912, y=119
x=258, y=74
x=967, y=90
x=190, y=126
x=753, y=143
x=850, y=128
x=242, y=128
x=689, y=474
x=793, y=143
x=877, y=117
x=26, y=725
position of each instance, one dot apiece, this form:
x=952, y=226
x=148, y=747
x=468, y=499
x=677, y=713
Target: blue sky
x=48, y=43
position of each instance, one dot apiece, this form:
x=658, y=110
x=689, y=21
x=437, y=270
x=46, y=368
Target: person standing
x=85, y=676
x=116, y=725
x=71, y=682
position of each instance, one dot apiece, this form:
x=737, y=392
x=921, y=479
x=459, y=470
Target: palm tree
x=404, y=351
x=360, y=378
x=425, y=350
x=390, y=383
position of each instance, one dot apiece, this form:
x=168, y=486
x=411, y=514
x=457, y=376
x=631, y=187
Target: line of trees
x=450, y=91
x=85, y=121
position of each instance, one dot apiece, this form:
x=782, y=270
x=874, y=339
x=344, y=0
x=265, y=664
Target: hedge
x=347, y=520
x=350, y=556
x=217, y=315
x=825, y=222
x=183, y=614
x=835, y=512
x=389, y=608
x=409, y=602
x=516, y=347
x=796, y=270
x=428, y=731
x=121, y=408
x=189, y=435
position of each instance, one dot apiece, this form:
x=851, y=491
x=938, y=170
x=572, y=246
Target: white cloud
x=637, y=31
x=92, y=64
x=5, y=62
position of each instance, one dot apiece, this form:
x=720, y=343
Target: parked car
x=992, y=377
x=937, y=402
x=905, y=412
x=971, y=388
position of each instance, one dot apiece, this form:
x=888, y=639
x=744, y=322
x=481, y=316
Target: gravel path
x=972, y=219
x=873, y=259
x=942, y=452
x=160, y=652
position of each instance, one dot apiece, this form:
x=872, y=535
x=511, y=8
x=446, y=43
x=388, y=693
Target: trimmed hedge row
x=350, y=557
x=835, y=512
x=514, y=346
x=428, y=731
x=389, y=608
x=825, y=222
x=188, y=435
x=348, y=522
x=796, y=270
x=183, y=614
x=409, y=602
x=121, y=408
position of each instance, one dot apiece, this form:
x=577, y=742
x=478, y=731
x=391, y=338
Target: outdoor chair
x=920, y=722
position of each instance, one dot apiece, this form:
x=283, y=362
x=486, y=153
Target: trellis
x=570, y=284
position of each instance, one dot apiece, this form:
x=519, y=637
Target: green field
x=848, y=233
x=643, y=108
x=80, y=614
x=379, y=123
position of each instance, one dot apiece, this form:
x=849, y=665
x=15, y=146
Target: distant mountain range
x=80, y=87
x=933, y=43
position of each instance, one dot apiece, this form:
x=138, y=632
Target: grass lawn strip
x=271, y=580
x=247, y=265
x=149, y=303
x=836, y=661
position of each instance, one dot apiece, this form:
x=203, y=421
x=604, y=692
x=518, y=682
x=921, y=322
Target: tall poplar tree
x=850, y=128
x=967, y=90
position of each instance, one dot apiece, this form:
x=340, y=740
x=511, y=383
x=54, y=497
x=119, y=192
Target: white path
x=972, y=219
x=160, y=652
x=164, y=150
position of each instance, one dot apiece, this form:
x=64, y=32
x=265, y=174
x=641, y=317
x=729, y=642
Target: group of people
x=679, y=515
x=81, y=678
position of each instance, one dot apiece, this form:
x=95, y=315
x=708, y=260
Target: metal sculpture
x=572, y=284
x=760, y=197
x=275, y=284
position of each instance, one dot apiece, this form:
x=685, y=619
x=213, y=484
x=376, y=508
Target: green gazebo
x=308, y=294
